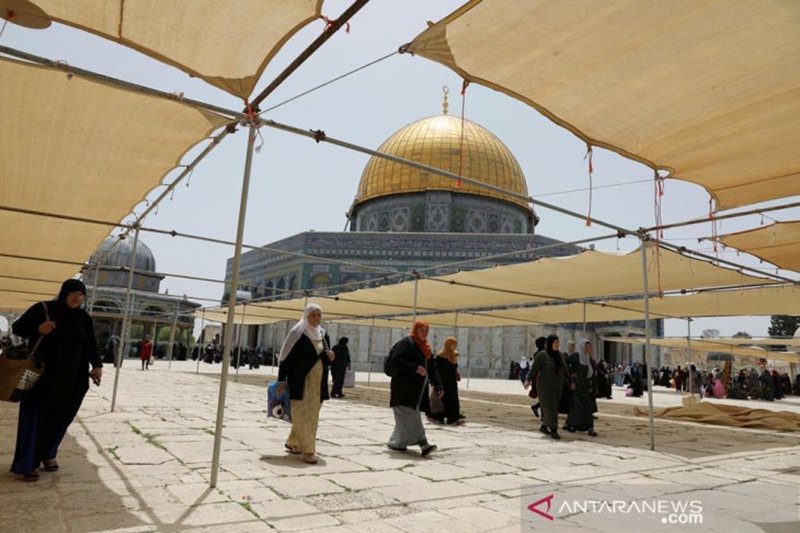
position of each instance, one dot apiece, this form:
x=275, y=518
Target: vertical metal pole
x=689, y=353
x=239, y=343
x=125, y=320
x=226, y=354
x=647, y=349
x=584, y=320
x=172, y=336
x=274, y=345
x=94, y=291
x=369, y=352
x=200, y=347
x=416, y=283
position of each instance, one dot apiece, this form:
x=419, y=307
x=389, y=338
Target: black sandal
x=50, y=465
x=33, y=475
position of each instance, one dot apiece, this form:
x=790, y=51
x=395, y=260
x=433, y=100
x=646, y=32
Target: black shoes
x=535, y=409
x=544, y=429
x=554, y=435
x=397, y=448
x=569, y=428
x=427, y=449
x=592, y=433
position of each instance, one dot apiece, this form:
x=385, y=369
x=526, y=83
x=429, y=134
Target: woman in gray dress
x=412, y=369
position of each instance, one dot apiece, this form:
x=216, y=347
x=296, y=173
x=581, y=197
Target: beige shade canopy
x=228, y=44
x=707, y=89
x=763, y=301
x=778, y=243
x=710, y=345
x=543, y=280
x=74, y=147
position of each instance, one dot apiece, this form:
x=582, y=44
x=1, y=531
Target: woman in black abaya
x=67, y=350
x=339, y=366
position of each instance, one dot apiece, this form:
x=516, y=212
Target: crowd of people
x=422, y=382
x=752, y=383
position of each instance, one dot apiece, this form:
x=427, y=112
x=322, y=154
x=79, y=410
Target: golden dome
x=436, y=141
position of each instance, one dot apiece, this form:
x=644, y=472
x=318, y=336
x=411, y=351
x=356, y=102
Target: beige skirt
x=305, y=413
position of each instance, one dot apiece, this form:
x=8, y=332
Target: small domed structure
x=114, y=259
x=106, y=278
x=120, y=255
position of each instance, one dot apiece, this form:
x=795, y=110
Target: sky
x=298, y=185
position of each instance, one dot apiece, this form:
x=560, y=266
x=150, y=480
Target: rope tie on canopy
x=712, y=219
x=10, y=15
x=63, y=65
x=251, y=118
x=464, y=86
x=330, y=22
x=591, y=171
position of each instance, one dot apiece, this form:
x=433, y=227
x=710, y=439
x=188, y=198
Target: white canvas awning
x=228, y=44
x=708, y=89
x=79, y=148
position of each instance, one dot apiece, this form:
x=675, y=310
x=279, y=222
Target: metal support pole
x=647, y=349
x=170, y=353
x=584, y=320
x=369, y=352
x=689, y=353
x=200, y=347
x=94, y=288
x=226, y=354
x=416, y=284
x=239, y=343
x=274, y=345
x=125, y=320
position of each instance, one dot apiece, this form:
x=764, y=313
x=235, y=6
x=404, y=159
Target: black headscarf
x=343, y=341
x=555, y=355
x=540, y=342
x=71, y=285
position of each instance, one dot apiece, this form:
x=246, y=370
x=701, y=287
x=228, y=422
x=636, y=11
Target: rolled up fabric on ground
x=730, y=415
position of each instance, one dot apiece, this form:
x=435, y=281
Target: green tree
x=742, y=335
x=783, y=325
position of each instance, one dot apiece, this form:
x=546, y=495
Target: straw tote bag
x=18, y=376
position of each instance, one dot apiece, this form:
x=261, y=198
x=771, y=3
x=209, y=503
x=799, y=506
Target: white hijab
x=316, y=334
x=584, y=357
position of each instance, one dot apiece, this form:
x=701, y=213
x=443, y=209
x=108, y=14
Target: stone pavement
x=146, y=467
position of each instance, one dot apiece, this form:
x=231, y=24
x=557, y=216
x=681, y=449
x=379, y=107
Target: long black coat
x=299, y=362
x=407, y=385
x=448, y=373
x=549, y=372
x=54, y=401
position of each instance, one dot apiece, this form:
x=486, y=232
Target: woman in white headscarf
x=581, y=372
x=304, y=359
